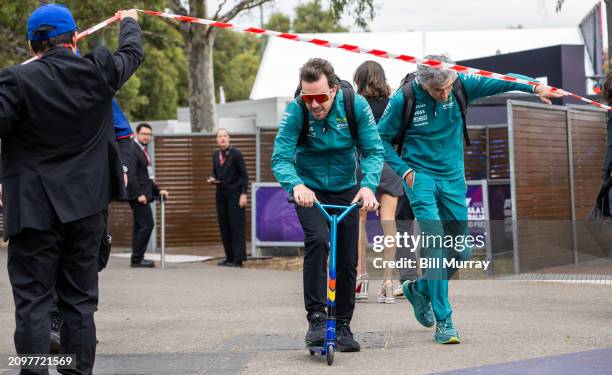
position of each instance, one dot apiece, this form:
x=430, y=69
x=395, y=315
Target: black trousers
x=62, y=260
x=316, y=251
x=104, y=254
x=143, y=226
x=231, y=225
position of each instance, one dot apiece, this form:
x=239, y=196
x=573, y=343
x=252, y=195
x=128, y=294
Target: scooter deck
x=326, y=350
x=317, y=349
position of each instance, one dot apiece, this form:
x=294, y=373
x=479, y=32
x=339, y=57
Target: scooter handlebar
x=291, y=200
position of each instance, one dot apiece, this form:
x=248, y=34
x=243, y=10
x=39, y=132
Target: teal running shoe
x=420, y=305
x=446, y=333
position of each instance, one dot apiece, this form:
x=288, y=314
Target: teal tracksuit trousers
x=440, y=209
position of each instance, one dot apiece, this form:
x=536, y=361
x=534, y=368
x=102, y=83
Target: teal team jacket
x=434, y=142
x=328, y=159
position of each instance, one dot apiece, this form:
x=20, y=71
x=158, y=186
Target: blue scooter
x=330, y=336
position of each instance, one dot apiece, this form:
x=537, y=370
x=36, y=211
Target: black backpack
x=349, y=109
x=410, y=104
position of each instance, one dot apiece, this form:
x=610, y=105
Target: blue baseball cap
x=56, y=18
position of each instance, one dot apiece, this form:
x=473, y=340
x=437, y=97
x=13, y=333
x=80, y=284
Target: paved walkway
x=199, y=318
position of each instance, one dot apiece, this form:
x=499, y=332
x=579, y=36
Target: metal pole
x=570, y=157
x=163, y=232
x=152, y=245
x=487, y=217
x=254, y=188
x=515, y=237
x=257, y=154
x=488, y=153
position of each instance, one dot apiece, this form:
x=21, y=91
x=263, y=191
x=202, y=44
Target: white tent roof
x=282, y=59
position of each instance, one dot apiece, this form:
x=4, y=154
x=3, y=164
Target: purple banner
x=476, y=211
x=276, y=218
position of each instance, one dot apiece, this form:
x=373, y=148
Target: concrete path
x=200, y=318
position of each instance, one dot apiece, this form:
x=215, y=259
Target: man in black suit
x=230, y=176
x=60, y=169
x=142, y=190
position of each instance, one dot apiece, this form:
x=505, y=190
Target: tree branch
x=219, y=9
x=241, y=6
x=178, y=7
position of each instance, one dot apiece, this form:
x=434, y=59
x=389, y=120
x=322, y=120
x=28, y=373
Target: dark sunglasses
x=320, y=98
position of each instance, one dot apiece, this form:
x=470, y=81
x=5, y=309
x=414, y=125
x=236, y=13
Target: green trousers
x=440, y=209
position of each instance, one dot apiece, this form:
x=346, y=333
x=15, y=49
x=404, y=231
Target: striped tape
x=343, y=46
x=367, y=51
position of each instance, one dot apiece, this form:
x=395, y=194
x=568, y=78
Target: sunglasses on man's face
x=319, y=98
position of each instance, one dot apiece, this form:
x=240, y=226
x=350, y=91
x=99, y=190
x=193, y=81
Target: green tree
x=154, y=91
x=158, y=86
x=278, y=22
x=163, y=74
x=312, y=18
x=236, y=60
x=14, y=47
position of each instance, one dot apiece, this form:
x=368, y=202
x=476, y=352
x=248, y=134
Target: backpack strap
x=407, y=113
x=305, y=125
x=349, y=109
x=462, y=100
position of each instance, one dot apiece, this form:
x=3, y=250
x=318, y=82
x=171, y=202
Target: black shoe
x=344, y=338
x=144, y=263
x=56, y=327
x=224, y=262
x=233, y=264
x=317, y=326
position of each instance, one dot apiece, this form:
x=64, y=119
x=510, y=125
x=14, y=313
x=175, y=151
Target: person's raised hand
x=546, y=93
x=132, y=13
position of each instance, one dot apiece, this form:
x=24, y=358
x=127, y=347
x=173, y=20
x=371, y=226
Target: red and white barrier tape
x=357, y=49
x=97, y=27
x=346, y=47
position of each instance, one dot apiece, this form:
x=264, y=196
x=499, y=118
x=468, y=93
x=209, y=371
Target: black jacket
x=59, y=155
x=139, y=182
x=233, y=174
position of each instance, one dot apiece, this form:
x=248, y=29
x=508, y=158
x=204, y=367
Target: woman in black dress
x=371, y=83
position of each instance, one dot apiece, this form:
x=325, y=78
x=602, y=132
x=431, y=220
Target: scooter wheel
x=311, y=352
x=330, y=355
